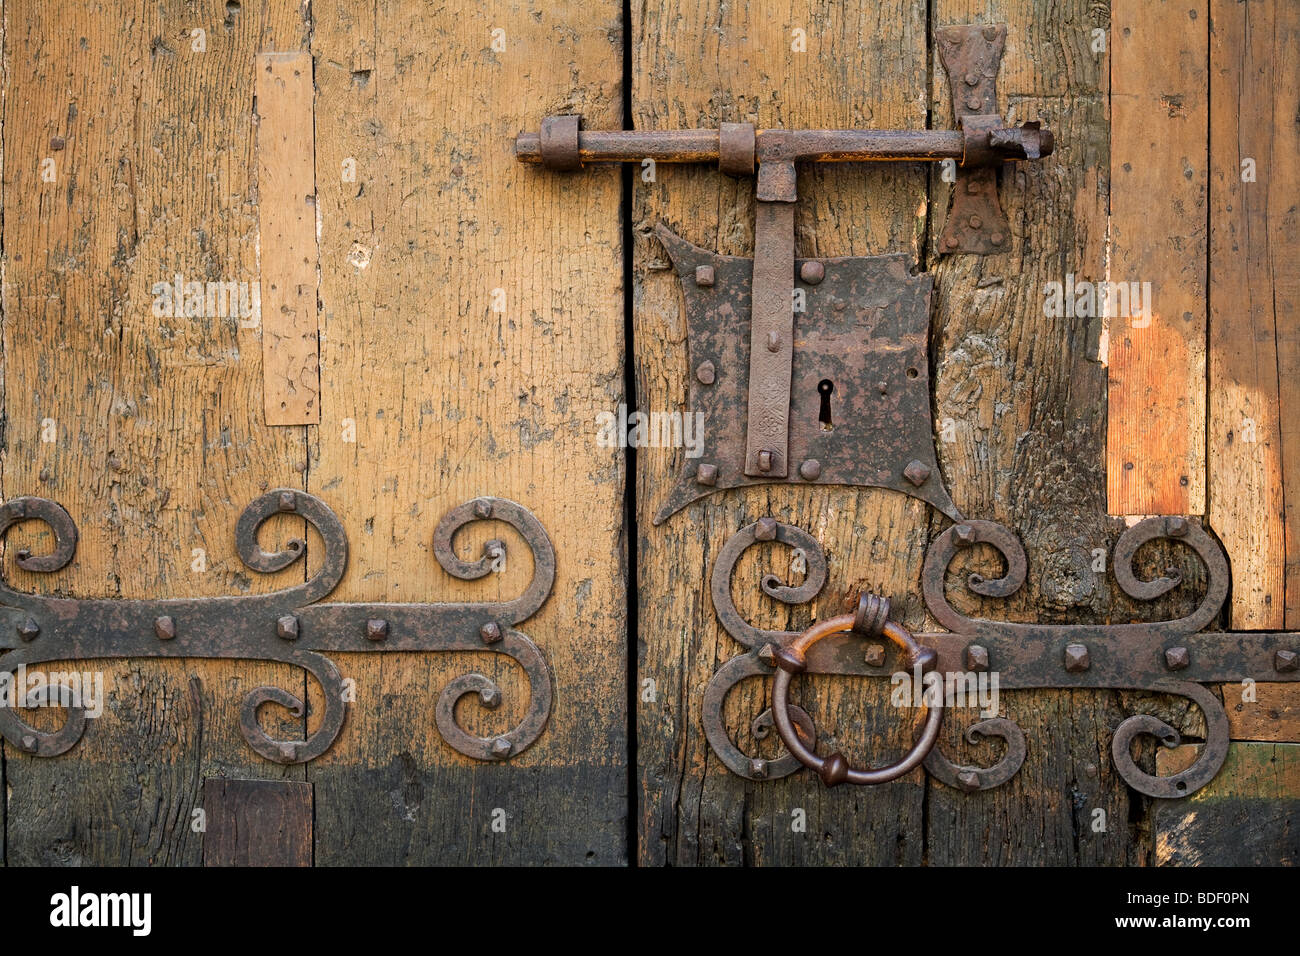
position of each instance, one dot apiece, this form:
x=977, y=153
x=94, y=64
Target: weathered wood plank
x=696, y=64
x=1245, y=816
x=471, y=330
x=1155, y=451
x=257, y=822
x=154, y=415
x=1025, y=396
x=1273, y=715
x=286, y=204
x=1256, y=177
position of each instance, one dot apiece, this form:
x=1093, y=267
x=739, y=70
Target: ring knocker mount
x=872, y=622
x=1175, y=657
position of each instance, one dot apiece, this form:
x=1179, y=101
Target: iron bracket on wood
x=767, y=334
x=1175, y=657
x=287, y=626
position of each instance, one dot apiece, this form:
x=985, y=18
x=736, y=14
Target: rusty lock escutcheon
x=775, y=439
x=870, y=621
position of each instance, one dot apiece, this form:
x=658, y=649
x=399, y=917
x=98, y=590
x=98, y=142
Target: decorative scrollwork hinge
x=1170, y=657
x=288, y=626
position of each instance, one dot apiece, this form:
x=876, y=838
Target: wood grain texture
x=257, y=822
x=1273, y=715
x=1026, y=397
x=1254, y=301
x=695, y=65
x=1245, y=816
x=159, y=441
x=1155, y=451
x=471, y=334
x=286, y=205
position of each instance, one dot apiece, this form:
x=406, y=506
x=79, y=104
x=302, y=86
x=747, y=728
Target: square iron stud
x=501, y=748
x=490, y=632
x=287, y=627
x=376, y=629
x=287, y=501
x=765, y=461
x=29, y=630
x=1176, y=658
x=482, y=508
x=707, y=474
x=875, y=656
x=1285, y=661
x=977, y=658
x=766, y=655
x=963, y=535
x=765, y=529
x=758, y=768
x=916, y=472
x=165, y=628
x=704, y=275
x=1076, y=658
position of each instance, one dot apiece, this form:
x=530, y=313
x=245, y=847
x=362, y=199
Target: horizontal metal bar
x=701, y=146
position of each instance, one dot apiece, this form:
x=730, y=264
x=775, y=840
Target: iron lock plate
x=859, y=406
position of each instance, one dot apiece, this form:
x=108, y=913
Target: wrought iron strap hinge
x=1173, y=657
x=288, y=626
x=776, y=343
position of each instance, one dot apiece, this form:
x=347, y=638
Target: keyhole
x=825, y=388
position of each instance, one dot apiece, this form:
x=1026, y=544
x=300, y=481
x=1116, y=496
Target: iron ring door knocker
x=871, y=620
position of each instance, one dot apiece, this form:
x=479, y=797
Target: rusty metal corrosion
x=287, y=626
x=1169, y=657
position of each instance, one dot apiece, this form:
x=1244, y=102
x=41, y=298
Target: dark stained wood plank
x=1245, y=816
x=455, y=391
x=257, y=822
x=694, y=65
x=158, y=442
x=1156, y=356
x=1026, y=395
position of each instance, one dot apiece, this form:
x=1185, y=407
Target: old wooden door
x=439, y=325
x=469, y=331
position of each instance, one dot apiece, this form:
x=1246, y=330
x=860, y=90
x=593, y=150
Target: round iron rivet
x=950, y=242
x=165, y=628
x=997, y=238
x=990, y=33
x=972, y=79
x=974, y=102
x=810, y=470
x=812, y=272
x=975, y=222
x=706, y=373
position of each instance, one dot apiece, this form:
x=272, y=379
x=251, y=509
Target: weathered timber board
x=471, y=322
x=1245, y=816
x=695, y=65
x=158, y=441
x=257, y=822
